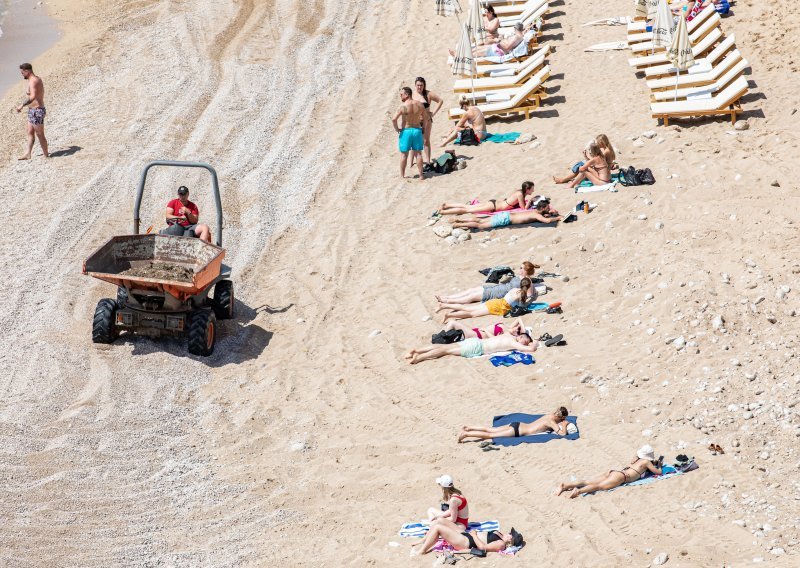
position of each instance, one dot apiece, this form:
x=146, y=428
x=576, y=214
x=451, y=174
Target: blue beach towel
x=587, y=183
x=418, y=530
x=500, y=138
x=535, y=438
x=512, y=359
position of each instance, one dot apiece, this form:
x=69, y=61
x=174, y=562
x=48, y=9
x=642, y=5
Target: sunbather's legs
x=465, y=329
x=468, y=311
x=483, y=224
x=483, y=433
x=591, y=176
x=610, y=481
x=449, y=138
x=468, y=296
x=569, y=177
x=434, y=352
x=436, y=532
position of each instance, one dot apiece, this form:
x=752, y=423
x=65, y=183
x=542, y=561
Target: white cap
x=646, y=453
x=445, y=480
x=529, y=331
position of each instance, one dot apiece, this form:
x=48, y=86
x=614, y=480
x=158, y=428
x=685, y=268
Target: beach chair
x=696, y=91
x=639, y=33
x=527, y=98
x=505, y=79
x=661, y=57
x=696, y=79
x=702, y=65
x=724, y=103
x=695, y=36
x=507, y=23
x=517, y=10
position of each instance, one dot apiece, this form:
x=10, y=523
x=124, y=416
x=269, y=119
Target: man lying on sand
x=474, y=347
x=643, y=462
x=555, y=423
x=473, y=118
x=541, y=213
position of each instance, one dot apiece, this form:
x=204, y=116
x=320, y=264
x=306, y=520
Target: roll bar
x=214, y=185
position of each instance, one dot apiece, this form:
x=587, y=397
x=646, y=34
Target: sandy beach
x=306, y=439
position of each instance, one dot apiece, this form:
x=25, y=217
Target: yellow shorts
x=498, y=307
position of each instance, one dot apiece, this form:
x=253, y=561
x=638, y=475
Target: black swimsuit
x=515, y=426
x=470, y=540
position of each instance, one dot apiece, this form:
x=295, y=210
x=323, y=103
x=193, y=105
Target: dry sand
x=306, y=439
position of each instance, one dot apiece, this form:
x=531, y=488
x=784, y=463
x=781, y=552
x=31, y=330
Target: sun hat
x=445, y=480
x=646, y=453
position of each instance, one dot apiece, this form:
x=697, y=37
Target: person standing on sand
x=412, y=116
x=36, y=112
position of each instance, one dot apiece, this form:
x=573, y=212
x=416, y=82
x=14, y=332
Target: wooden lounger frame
x=733, y=110
x=531, y=103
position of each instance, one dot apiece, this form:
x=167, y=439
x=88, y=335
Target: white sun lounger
x=661, y=56
x=694, y=36
x=724, y=103
x=517, y=9
x=527, y=98
x=696, y=79
x=526, y=18
x=702, y=65
x=508, y=79
x=718, y=85
x=640, y=34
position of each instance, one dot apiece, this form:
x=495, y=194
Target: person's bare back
x=504, y=343
x=476, y=120
x=413, y=114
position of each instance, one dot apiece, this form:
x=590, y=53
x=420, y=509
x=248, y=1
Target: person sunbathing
x=502, y=47
x=519, y=199
x=595, y=169
x=474, y=347
x=643, y=462
x=608, y=156
x=491, y=24
x=489, y=331
x=555, y=423
x=542, y=212
x=520, y=297
x=461, y=540
x=490, y=291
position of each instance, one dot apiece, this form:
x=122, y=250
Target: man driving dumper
x=182, y=216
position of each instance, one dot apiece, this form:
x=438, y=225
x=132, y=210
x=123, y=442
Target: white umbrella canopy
x=475, y=22
x=463, y=61
x=680, y=50
x=641, y=8
x=447, y=7
x=663, y=26
x=652, y=6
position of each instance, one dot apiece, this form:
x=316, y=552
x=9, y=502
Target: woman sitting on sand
x=490, y=291
x=606, y=149
x=519, y=199
x=454, y=510
x=555, y=423
x=495, y=540
x=491, y=23
x=520, y=297
x=643, y=462
x=595, y=169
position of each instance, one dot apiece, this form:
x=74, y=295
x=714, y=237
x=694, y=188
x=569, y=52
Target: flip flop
x=550, y=341
x=485, y=443
x=490, y=448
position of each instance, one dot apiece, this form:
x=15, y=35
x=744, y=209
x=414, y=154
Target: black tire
x=223, y=300
x=122, y=297
x=202, y=332
x=104, y=328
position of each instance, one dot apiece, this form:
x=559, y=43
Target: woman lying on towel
x=520, y=297
x=490, y=330
x=555, y=423
x=495, y=540
x=454, y=510
x=519, y=199
x=474, y=347
x=541, y=213
x=607, y=152
x=644, y=462
x=490, y=291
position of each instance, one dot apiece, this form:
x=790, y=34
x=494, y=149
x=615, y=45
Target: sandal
x=549, y=340
x=486, y=443
x=490, y=448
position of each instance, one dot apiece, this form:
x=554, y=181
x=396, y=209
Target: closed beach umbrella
x=447, y=7
x=663, y=25
x=652, y=6
x=680, y=50
x=463, y=62
x=475, y=21
x=641, y=8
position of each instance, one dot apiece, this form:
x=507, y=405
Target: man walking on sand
x=411, y=114
x=36, y=110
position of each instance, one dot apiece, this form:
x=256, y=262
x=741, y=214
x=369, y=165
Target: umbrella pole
x=472, y=84
x=677, y=72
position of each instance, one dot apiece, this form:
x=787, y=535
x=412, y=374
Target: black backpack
x=445, y=337
x=630, y=176
x=444, y=164
x=468, y=138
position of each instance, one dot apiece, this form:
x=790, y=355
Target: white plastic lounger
x=517, y=9
x=703, y=65
x=699, y=19
x=526, y=18
x=701, y=90
x=724, y=103
x=528, y=98
x=694, y=36
x=661, y=57
x=696, y=79
x=512, y=79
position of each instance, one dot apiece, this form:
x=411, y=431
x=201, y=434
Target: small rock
x=565, y=278
x=647, y=433
x=443, y=230
x=648, y=297
x=737, y=177
x=375, y=333
x=660, y=559
x=426, y=318
x=747, y=415
x=638, y=143
x=777, y=551
x=764, y=455
x=775, y=183
x=599, y=246
x=741, y=125
x=750, y=376
x=658, y=225
x=451, y=240
x=300, y=320
x=679, y=343
x=464, y=237
x=642, y=217
x=649, y=134
x=660, y=140
x=458, y=232
x=717, y=323
x=651, y=331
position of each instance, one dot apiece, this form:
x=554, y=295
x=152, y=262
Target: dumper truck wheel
x=223, y=299
x=202, y=332
x=104, y=328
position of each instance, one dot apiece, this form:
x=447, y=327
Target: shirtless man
x=541, y=213
x=474, y=347
x=555, y=423
x=411, y=114
x=36, y=110
x=473, y=118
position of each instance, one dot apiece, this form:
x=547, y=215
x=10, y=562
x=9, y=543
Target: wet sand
x=27, y=33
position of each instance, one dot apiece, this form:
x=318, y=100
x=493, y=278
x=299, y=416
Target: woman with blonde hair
x=454, y=510
x=606, y=149
x=595, y=169
x=520, y=297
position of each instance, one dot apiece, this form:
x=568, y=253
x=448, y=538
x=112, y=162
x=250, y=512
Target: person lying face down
x=542, y=212
x=643, y=462
x=474, y=347
x=521, y=297
x=555, y=423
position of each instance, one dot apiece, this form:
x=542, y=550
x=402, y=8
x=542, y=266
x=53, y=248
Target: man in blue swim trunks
x=473, y=347
x=411, y=114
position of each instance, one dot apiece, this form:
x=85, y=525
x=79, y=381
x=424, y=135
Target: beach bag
x=645, y=177
x=684, y=464
x=496, y=273
x=627, y=176
x=468, y=138
x=446, y=337
x=517, y=312
x=444, y=164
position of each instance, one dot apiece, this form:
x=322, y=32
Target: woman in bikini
x=495, y=541
x=606, y=149
x=454, y=510
x=555, y=423
x=519, y=199
x=489, y=331
x=423, y=95
x=491, y=23
x=595, y=169
x=644, y=462
x=490, y=291
x=520, y=297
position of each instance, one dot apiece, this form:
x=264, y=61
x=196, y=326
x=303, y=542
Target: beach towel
x=534, y=438
x=512, y=359
x=667, y=472
x=610, y=46
x=617, y=21
x=595, y=188
x=418, y=530
x=500, y=138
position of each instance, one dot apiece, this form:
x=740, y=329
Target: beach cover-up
x=512, y=359
x=506, y=419
x=418, y=530
x=500, y=138
x=667, y=472
x=595, y=188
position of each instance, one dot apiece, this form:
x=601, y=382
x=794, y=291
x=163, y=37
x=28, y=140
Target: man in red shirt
x=182, y=216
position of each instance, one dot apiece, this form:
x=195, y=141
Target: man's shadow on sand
x=65, y=152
